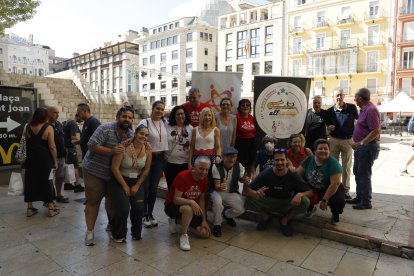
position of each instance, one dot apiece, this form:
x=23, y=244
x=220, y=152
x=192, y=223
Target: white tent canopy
x=401, y=103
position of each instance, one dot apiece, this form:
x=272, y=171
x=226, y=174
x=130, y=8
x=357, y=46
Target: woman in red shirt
x=245, y=136
x=297, y=152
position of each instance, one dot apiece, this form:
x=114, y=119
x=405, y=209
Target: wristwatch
x=361, y=143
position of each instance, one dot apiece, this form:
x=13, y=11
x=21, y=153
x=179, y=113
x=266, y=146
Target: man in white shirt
x=226, y=177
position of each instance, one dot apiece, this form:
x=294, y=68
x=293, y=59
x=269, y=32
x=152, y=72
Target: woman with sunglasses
x=227, y=123
x=179, y=137
x=130, y=169
x=297, y=152
x=245, y=136
x=157, y=139
x=323, y=174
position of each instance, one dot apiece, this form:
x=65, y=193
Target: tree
x=15, y=11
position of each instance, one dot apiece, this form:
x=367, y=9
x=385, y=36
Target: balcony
x=320, y=24
x=344, y=21
x=371, y=68
x=297, y=29
x=297, y=50
x=344, y=43
x=406, y=41
x=345, y=69
x=374, y=17
x=406, y=13
x=373, y=41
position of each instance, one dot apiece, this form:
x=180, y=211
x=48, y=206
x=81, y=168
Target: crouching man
x=226, y=177
x=278, y=190
x=185, y=202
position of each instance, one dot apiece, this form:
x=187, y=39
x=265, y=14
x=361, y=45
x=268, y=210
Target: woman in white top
x=158, y=141
x=130, y=169
x=227, y=123
x=205, y=139
x=179, y=137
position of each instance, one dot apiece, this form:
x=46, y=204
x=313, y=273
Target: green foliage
x=15, y=11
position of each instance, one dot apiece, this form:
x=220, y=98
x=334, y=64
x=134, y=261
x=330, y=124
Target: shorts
x=95, y=188
x=173, y=211
x=60, y=171
x=72, y=157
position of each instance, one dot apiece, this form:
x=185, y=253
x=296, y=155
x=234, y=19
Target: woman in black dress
x=41, y=159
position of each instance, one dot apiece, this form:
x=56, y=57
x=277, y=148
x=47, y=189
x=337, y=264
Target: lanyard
x=159, y=132
x=134, y=155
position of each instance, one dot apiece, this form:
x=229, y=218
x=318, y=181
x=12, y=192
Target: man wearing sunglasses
x=278, y=190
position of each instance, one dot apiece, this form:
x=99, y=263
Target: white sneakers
x=120, y=240
x=184, y=242
x=89, y=238
x=172, y=226
x=149, y=221
x=153, y=221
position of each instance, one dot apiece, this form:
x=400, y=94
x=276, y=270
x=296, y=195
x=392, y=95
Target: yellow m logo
x=7, y=157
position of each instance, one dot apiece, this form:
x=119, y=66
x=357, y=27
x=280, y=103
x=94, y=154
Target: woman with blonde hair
x=205, y=138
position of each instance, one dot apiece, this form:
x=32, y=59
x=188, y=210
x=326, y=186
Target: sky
x=69, y=26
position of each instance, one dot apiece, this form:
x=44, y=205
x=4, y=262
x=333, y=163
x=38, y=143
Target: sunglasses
x=280, y=150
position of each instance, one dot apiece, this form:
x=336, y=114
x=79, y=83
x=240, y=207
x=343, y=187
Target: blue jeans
x=151, y=183
x=364, y=158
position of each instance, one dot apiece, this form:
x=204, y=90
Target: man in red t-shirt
x=194, y=106
x=185, y=201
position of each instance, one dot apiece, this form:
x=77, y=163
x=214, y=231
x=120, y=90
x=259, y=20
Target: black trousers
x=171, y=171
x=123, y=205
x=337, y=201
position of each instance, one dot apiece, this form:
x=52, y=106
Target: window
x=189, y=52
x=297, y=23
x=300, y=2
x=174, y=100
x=255, y=68
x=320, y=42
x=177, y=24
x=1, y=51
x=345, y=14
x=318, y=90
x=240, y=68
x=164, y=28
x=345, y=38
x=187, y=83
x=373, y=9
x=320, y=19
x=152, y=99
x=189, y=67
x=296, y=65
x=152, y=59
x=373, y=35
x=269, y=49
x=372, y=85
x=318, y=66
x=205, y=67
x=210, y=37
x=408, y=58
x=206, y=51
x=163, y=69
x=144, y=87
x=174, y=54
x=152, y=85
x=344, y=84
x=242, y=44
x=189, y=37
x=229, y=39
x=158, y=44
x=175, y=39
x=254, y=43
x=169, y=41
x=163, y=99
x=174, y=69
x=163, y=42
x=163, y=84
x=163, y=57
x=229, y=53
x=330, y=64
x=372, y=61
x=174, y=83
x=144, y=61
x=170, y=26
x=269, y=31
x=268, y=69
x=229, y=68
x=297, y=45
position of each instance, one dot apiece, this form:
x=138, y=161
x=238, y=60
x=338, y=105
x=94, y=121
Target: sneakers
x=172, y=225
x=184, y=242
x=109, y=227
x=31, y=211
x=310, y=213
x=335, y=219
x=154, y=222
x=217, y=231
x=286, y=230
x=68, y=186
x=147, y=222
x=262, y=225
x=89, y=238
x=79, y=189
x=120, y=240
x=230, y=221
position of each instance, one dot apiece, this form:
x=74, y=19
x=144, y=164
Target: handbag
x=21, y=150
x=16, y=184
x=69, y=174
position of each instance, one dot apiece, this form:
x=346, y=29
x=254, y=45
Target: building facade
x=404, y=52
x=169, y=53
x=341, y=44
x=252, y=41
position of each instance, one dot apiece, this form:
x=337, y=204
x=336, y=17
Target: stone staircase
x=65, y=94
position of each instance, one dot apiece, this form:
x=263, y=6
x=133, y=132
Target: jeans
x=364, y=158
x=122, y=204
x=151, y=183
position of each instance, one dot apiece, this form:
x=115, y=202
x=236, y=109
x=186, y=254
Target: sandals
x=62, y=199
x=52, y=212
x=31, y=211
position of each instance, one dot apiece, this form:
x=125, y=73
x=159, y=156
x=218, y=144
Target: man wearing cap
x=226, y=177
x=278, y=190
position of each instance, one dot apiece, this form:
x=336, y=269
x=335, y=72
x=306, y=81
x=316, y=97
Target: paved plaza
x=54, y=246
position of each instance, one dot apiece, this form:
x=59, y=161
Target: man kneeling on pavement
x=226, y=177
x=278, y=190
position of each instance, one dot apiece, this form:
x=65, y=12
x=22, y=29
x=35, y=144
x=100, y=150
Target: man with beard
x=105, y=142
x=278, y=190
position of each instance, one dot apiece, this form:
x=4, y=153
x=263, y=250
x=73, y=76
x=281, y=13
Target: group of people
x=213, y=157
